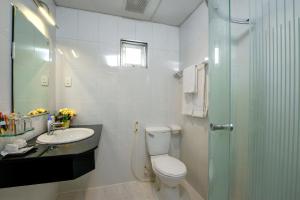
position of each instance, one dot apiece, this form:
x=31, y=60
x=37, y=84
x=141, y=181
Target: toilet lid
x=170, y=166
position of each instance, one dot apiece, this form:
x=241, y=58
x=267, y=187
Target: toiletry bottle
x=53, y=118
x=49, y=122
x=6, y=122
x=3, y=123
x=12, y=123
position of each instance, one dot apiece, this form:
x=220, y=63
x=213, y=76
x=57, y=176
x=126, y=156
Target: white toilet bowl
x=170, y=172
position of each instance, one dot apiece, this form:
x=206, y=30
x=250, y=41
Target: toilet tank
x=158, y=140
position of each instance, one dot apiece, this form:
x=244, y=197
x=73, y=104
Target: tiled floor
x=123, y=191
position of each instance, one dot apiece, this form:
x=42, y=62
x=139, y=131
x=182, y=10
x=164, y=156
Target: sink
x=65, y=136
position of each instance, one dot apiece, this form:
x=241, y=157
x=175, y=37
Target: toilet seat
x=169, y=166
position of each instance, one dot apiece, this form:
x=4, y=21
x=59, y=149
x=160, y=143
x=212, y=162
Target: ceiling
x=171, y=12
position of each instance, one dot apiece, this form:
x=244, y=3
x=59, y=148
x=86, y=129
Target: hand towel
x=187, y=104
x=196, y=104
x=200, y=100
x=190, y=79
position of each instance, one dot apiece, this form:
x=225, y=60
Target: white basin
x=65, y=136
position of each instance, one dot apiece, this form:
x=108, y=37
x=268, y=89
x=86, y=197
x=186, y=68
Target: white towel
x=190, y=79
x=187, y=104
x=196, y=104
x=200, y=100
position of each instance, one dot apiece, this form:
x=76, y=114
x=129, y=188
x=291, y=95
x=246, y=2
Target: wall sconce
x=74, y=53
x=45, y=11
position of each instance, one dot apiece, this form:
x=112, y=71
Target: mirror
x=30, y=66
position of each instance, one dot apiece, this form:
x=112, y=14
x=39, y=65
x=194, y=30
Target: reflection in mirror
x=31, y=60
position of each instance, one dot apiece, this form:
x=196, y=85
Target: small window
x=133, y=54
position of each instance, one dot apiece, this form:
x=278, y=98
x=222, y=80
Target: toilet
x=169, y=171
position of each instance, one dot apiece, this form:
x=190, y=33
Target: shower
x=257, y=76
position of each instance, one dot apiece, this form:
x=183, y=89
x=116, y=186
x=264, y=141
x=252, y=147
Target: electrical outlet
x=68, y=81
x=44, y=81
x=136, y=127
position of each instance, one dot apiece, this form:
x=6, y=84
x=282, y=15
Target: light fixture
x=48, y=17
x=74, y=53
x=45, y=11
x=35, y=20
x=60, y=51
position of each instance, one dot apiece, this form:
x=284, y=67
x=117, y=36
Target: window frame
x=134, y=43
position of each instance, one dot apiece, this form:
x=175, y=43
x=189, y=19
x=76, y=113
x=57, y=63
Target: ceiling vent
x=137, y=6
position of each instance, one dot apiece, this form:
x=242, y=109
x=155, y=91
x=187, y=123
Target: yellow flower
x=67, y=111
x=37, y=111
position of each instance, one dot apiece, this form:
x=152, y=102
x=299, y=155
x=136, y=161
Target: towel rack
x=178, y=75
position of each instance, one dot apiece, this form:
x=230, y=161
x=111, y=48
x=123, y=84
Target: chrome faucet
x=54, y=127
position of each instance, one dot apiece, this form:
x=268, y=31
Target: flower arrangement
x=37, y=111
x=65, y=115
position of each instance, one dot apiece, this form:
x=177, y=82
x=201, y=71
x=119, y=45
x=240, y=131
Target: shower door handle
x=218, y=127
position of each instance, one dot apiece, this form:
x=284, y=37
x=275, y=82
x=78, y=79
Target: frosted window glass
x=133, y=54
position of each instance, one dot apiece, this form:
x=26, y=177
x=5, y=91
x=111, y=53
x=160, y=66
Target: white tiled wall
x=113, y=96
x=193, y=50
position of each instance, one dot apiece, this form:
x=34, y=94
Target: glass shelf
x=14, y=135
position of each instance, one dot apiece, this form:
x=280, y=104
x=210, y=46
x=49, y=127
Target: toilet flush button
x=68, y=81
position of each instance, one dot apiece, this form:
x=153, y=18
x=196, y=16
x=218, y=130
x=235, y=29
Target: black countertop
x=51, y=163
x=70, y=149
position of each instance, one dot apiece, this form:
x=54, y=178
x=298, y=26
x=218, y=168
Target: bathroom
x=149, y=99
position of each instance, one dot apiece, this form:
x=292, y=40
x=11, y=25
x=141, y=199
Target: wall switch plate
x=68, y=81
x=44, y=81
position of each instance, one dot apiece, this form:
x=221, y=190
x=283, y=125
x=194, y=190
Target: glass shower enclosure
x=219, y=99
x=254, y=85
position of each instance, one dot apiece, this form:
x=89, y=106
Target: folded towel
x=190, y=79
x=196, y=104
x=187, y=104
x=200, y=108
x=20, y=142
x=19, y=152
x=11, y=148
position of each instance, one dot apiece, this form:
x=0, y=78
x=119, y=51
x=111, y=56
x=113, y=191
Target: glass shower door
x=220, y=99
